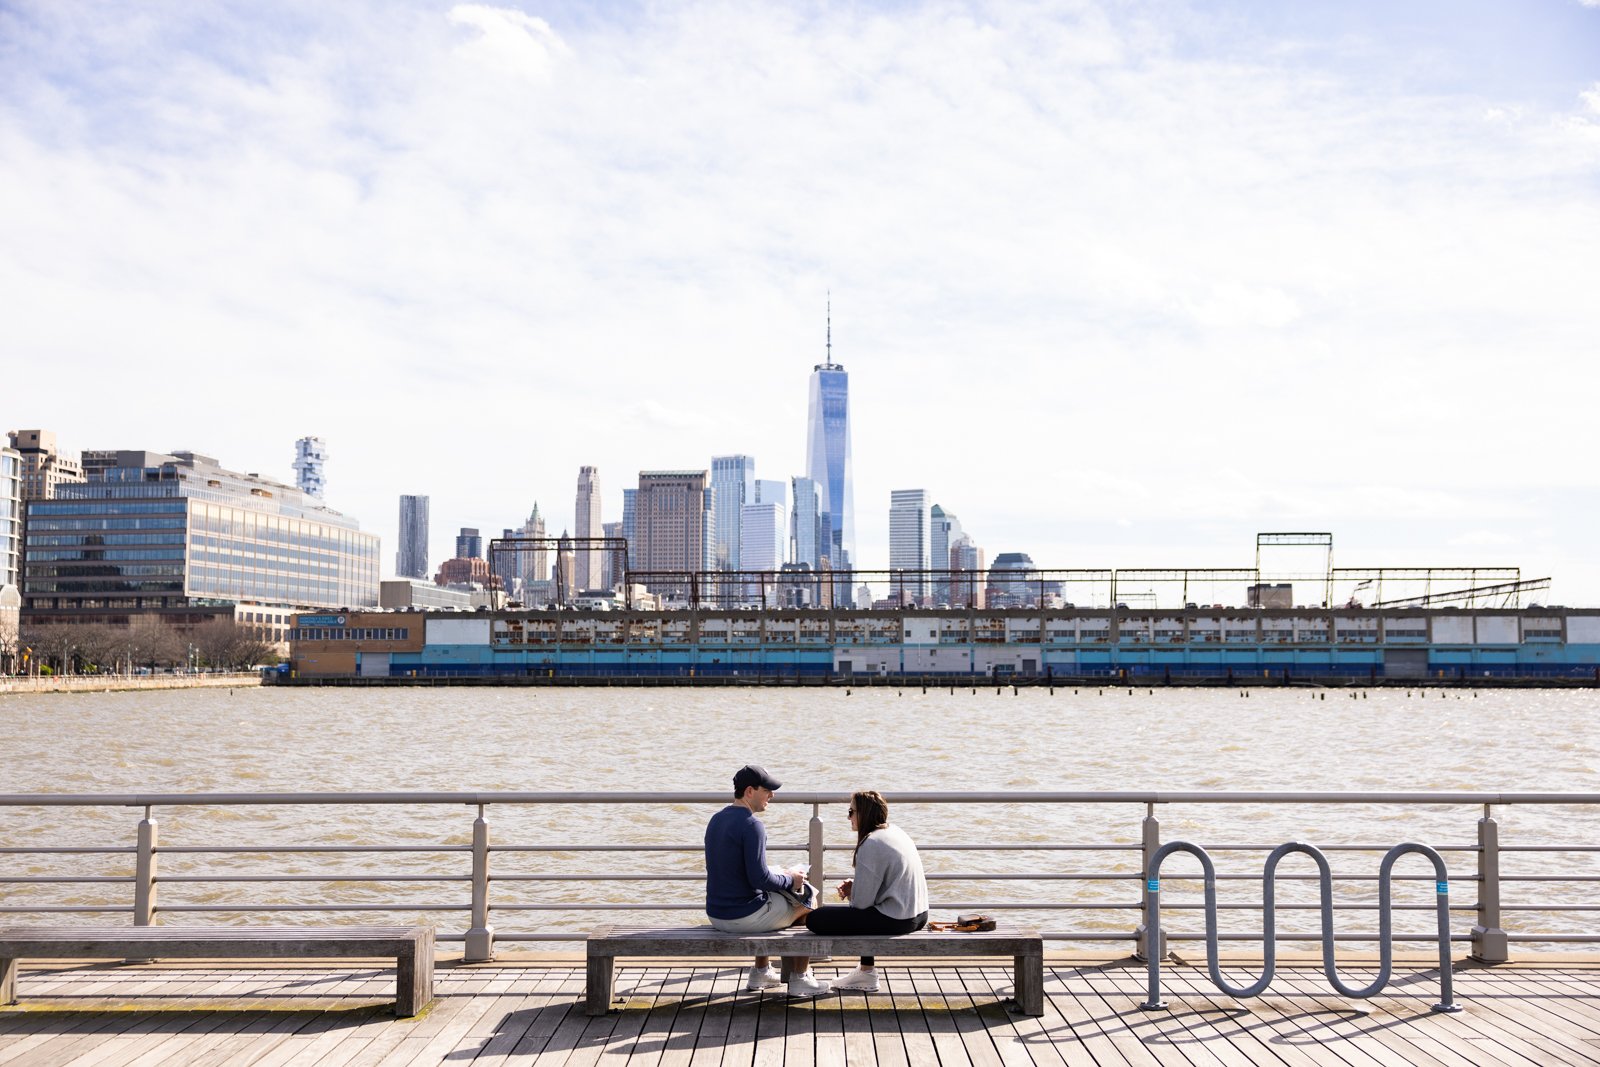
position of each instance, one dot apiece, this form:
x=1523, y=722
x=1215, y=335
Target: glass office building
x=10, y=516
x=734, y=479
x=828, y=460
x=159, y=532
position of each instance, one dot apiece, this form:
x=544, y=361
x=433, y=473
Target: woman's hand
x=845, y=887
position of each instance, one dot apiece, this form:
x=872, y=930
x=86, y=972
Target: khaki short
x=778, y=913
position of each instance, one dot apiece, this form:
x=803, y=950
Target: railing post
x=1150, y=841
x=480, y=938
x=144, y=872
x=814, y=846
x=1489, y=943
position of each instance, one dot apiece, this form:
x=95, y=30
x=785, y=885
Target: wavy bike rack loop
x=1152, y=919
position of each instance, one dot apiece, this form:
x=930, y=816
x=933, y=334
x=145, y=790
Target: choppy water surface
x=815, y=740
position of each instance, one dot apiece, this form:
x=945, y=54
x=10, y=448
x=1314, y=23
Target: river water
x=379, y=740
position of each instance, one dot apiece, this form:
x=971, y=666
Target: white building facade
x=908, y=538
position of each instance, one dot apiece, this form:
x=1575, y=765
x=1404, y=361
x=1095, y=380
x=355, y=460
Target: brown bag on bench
x=967, y=924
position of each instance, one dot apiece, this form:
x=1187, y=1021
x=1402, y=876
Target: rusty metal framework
x=514, y=547
x=793, y=587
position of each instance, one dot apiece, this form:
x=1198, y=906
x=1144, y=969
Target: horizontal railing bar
x=1550, y=907
x=62, y=909
x=312, y=878
x=1373, y=937
x=1550, y=848
x=1555, y=939
x=65, y=850
x=312, y=907
x=620, y=876
x=1340, y=848
x=699, y=848
x=1067, y=935
x=1281, y=906
x=936, y=905
x=41, y=879
x=1179, y=879
x=263, y=849
x=1547, y=878
x=139, y=800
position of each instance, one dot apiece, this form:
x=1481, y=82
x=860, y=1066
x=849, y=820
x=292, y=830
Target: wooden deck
x=689, y=1016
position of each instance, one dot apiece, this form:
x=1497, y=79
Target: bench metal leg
x=1028, y=984
x=414, y=983
x=598, y=996
x=8, y=981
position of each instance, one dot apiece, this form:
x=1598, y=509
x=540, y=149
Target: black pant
x=842, y=919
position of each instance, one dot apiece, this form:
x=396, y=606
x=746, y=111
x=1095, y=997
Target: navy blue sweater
x=737, y=876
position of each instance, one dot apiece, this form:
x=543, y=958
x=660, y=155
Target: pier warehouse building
x=957, y=646
x=180, y=537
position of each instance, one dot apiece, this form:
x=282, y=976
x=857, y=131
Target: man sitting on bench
x=743, y=894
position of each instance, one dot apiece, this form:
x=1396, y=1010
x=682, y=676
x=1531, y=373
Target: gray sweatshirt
x=889, y=875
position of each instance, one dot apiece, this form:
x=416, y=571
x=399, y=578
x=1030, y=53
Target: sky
x=1120, y=283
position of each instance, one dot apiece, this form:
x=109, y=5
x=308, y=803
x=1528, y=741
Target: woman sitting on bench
x=888, y=895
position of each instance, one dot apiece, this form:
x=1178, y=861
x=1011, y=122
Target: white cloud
x=509, y=41
x=1084, y=262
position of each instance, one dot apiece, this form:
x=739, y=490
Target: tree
x=54, y=644
x=150, y=642
x=226, y=645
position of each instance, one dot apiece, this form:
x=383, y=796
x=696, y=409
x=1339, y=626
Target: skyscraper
x=763, y=532
x=411, y=561
x=589, y=561
x=534, y=563
x=504, y=565
x=676, y=524
x=612, y=562
x=807, y=523
x=828, y=455
x=630, y=525
x=908, y=539
x=10, y=517
x=310, y=455
x=734, y=479
x=944, y=530
x=469, y=543
x=966, y=588
x=771, y=491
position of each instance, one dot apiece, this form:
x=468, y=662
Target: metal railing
x=459, y=870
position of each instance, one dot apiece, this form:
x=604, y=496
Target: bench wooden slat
x=410, y=946
x=1026, y=947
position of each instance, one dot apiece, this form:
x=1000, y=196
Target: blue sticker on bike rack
x=1154, y=885
x=1444, y=887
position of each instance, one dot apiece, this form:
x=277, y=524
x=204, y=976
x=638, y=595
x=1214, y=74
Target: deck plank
x=704, y=1045
x=953, y=983
x=929, y=1012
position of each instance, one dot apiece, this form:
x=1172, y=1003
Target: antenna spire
x=830, y=327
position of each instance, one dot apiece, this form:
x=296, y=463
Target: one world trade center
x=828, y=457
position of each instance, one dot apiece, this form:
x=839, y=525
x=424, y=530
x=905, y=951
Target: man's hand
x=797, y=881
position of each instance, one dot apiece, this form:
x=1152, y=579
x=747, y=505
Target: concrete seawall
x=94, y=683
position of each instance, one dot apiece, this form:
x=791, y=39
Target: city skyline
x=1120, y=284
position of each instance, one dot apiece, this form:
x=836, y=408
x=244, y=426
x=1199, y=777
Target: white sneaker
x=860, y=980
x=803, y=985
x=762, y=978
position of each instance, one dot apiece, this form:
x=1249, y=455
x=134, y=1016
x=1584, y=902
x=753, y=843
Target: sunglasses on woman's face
x=851, y=813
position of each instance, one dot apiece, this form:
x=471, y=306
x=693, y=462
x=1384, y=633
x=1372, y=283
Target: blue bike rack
x=1152, y=919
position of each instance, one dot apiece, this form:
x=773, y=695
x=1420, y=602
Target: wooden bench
x=604, y=946
x=411, y=946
